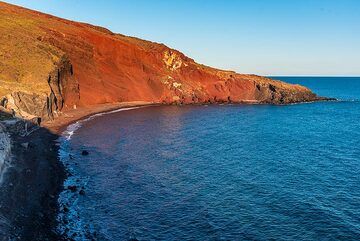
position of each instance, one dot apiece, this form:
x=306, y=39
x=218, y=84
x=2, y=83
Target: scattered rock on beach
x=25, y=145
x=72, y=188
x=66, y=209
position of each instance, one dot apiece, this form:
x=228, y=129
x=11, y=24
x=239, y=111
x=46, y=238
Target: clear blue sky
x=267, y=37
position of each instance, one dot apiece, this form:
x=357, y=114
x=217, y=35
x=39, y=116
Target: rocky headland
x=50, y=65
x=54, y=71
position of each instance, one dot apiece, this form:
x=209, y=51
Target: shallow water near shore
x=228, y=172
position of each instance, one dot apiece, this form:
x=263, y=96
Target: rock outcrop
x=49, y=64
x=31, y=105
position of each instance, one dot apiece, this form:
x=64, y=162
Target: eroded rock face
x=30, y=105
x=64, y=88
x=25, y=105
x=172, y=60
x=86, y=65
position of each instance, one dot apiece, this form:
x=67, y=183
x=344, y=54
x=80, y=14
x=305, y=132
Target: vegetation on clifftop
x=63, y=64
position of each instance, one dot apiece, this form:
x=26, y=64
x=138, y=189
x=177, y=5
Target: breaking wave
x=71, y=224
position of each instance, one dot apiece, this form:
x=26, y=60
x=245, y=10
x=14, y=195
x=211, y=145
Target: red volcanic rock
x=77, y=64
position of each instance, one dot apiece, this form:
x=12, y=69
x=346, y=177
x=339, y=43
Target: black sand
x=28, y=197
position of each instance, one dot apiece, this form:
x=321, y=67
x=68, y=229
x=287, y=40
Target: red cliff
x=49, y=64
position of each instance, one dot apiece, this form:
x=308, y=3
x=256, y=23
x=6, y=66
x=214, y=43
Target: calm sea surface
x=229, y=172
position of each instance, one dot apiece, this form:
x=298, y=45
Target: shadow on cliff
x=31, y=182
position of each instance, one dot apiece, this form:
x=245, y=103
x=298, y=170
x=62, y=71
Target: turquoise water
x=221, y=172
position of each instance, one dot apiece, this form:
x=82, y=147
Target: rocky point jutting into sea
x=49, y=65
x=54, y=71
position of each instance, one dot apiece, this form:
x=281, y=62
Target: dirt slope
x=49, y=64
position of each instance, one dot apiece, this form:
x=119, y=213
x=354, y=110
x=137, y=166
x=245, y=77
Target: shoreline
x=36, y=163
x=68, y=117
x=31, y=185
x=70, y=229
x=68, y=218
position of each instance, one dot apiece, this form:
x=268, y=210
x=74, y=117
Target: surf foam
x=71, y=225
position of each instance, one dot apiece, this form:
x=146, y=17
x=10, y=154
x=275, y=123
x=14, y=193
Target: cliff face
x=48, y=64
x=31, y=103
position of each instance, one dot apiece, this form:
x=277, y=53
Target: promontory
x=49, y=65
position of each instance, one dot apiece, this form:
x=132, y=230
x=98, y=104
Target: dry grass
x=25, y=61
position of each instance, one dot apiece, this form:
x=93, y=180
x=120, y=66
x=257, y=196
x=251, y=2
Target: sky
x=265, y=37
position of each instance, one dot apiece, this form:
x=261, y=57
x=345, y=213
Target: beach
x=34, y=178
x=70, y=116
x=28, y=200
x=200, y=172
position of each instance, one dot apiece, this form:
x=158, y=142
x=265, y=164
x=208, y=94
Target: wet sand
x=70, y=116
x=31, y=186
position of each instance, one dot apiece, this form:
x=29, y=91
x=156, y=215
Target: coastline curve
x=69, y=220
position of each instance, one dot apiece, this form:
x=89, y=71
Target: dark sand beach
x=33, y=181
x=226, y=148
x=28, y=200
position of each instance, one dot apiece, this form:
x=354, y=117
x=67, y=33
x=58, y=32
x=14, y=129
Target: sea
x=217, y=172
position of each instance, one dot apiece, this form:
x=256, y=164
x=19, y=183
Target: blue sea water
x=219, y=172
